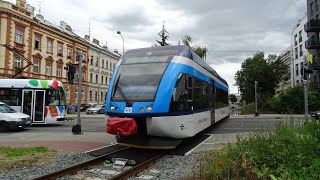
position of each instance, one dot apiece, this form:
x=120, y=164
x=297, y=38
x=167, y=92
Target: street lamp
x=119, y=32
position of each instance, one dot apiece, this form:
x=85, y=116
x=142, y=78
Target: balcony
x=316, y=64
x=312, y=26
x=313, y=43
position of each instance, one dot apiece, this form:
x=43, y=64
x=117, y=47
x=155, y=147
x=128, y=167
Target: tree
x=233, y=98
x=201, y=51
x=164, y=35
x=267, y=71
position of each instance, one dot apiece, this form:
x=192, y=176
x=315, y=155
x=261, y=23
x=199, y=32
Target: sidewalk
x=84, y=115
x=276, y=116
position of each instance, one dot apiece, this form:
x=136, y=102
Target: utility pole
x=305, y=88
x=256, y=97
x=76, y=129
x=99, y=66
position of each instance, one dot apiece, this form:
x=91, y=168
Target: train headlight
x=112, y=107
x=117, y=109
x=149, y=108
x=141, y=109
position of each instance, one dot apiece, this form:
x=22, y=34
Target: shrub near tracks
x=291, y=152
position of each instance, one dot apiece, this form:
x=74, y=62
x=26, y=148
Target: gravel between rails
x=174, y=167
x=59, y=161
x=168, y=167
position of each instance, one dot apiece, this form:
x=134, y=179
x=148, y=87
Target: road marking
x=189, y=152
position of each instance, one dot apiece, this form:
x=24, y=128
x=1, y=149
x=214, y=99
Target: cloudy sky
x=231, y=30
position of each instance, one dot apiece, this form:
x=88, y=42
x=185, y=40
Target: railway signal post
x=76, y=129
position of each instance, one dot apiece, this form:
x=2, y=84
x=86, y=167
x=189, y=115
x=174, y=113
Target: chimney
x=40, y=18
x=63, y=24
x=95, y=41
x=21, y=3
x=87, y=37
x=105, y=47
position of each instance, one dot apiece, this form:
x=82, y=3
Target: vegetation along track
x=140, y=159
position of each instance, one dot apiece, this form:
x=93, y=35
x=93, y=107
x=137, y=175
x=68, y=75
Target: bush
x=291, y=152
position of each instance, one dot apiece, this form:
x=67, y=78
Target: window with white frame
x=102, y=64
x=48, y=69
x=58, y=70
x=91, y=77
x=96, y=98
x=18, y=61
x=19, y=35
x=49, y=46
x=36, y=67
x=107, y=66
x=106, y=80
x=97, y=78
x=101, y=79
x=90, y=95
x=101, y=96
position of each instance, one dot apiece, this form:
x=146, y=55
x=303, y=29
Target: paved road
x=93, y=127
x=235, y=124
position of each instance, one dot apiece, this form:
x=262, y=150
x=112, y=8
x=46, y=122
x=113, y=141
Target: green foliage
x=21, y=151
x=201, y=51
x=267, y=71
x=248, y=108
x=233, y=98
x=292, y=101
x=291, y=152
x=164, y=35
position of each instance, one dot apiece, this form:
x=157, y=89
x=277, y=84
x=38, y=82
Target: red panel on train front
x=121, y=126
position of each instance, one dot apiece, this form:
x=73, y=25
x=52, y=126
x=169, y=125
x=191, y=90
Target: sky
x=231, y=30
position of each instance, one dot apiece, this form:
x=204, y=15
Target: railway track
x=109, y=165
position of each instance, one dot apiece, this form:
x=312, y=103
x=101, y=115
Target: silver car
x=97, y=109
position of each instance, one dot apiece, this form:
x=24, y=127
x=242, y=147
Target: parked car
x=315, y=114
x=11, y=119
x=97, y=109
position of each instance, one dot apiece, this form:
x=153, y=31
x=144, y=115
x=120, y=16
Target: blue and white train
x=163, y=95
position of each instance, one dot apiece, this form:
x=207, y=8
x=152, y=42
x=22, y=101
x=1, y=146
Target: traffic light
x=71, y=70
x=305, y=71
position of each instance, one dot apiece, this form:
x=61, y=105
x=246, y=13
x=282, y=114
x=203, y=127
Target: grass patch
x=11, y=157
x=291, y=152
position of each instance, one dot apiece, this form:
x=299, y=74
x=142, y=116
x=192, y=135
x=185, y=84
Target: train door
x=33, y=104
x=212, y=101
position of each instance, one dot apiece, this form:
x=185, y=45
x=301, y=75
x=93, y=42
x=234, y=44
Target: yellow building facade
x=47, y=46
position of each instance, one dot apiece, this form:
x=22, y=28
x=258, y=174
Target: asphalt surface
x=60, y=136
x=234, y=124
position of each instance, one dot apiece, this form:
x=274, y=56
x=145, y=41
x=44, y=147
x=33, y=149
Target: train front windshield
x=139, y=76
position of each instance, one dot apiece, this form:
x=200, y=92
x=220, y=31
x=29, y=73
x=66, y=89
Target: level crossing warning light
x=309, y=58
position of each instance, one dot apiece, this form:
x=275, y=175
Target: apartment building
x=312, y=28
x=286, y=58
x=101, y=64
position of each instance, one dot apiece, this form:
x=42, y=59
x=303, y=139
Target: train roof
x=184, y=51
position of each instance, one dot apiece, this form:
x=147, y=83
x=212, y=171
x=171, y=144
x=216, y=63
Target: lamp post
x=119, y=32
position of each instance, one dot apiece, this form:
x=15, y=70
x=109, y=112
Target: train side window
x=179, y=101
x=189, y=88
x=200, y=95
